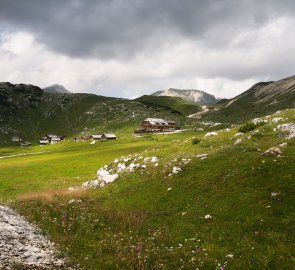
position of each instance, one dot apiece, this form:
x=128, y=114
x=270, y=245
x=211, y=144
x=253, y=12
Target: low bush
x=195, y=141
x=249, y=126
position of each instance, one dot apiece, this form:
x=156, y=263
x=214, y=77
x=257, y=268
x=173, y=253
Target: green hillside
x=234, y=209
x=174, y=103
x=260, y=100
x=29, y=112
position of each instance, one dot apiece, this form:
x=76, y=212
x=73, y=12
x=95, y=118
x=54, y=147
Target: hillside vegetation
x=232, y=209
x=29, y=112
x=261, y=99
x=173, y=103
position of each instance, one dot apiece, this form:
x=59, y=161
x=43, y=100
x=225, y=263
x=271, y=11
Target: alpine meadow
x=103, y=165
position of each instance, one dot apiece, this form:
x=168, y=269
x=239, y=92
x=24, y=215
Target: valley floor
x=231, y=208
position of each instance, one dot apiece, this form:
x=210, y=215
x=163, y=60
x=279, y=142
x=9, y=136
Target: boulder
x=273, y=151
x=277, y=119
x=258, y=120
x=288, y=128
x=283, y=144
x=238, y=141
x=202, y=156
x=239, y=134
x=209, y=134
x=176, y=170
x=93, y=184
x=105, y=176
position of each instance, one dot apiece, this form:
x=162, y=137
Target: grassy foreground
x=149, y=220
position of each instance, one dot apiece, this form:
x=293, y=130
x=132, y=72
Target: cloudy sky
x=127, y=48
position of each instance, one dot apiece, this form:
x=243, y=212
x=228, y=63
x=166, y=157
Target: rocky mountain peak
x=192, y=95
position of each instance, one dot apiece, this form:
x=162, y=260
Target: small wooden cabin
x=96, y=137
x=17, y=139
x=109, y=136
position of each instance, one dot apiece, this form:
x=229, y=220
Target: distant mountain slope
x=261, y=99
x=197, y=96
x=56, y=88
x=29, y=112
x=174, y=103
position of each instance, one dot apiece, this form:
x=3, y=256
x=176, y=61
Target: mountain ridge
x=56, y=88
x=196, y=96
x=259, y=100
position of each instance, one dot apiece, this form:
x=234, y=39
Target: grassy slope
x=174, y=103
x=247, y=106
x=78, y=114
x=28, y=112
x=137, y=223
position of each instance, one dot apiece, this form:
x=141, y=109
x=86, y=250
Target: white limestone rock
x=273, y=151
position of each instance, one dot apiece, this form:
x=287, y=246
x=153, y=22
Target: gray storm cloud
x=138, y=43
x=123, y=28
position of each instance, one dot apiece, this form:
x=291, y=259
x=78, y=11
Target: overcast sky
x=127, y=48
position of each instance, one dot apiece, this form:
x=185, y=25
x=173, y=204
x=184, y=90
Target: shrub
x=248, y=126
x=196, y=141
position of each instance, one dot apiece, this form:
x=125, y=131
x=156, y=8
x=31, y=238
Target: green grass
x=174, y=103
x=149, y=220
x=75, y=115
x=246, y=106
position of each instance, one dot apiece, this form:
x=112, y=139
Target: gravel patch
x=22, y=244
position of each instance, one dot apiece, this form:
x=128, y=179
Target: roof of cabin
x=156, y=121
x=109, y=135
x=96, y=136
x=56, y=139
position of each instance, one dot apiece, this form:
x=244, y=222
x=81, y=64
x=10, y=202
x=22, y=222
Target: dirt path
x=27, y=154
x=22, y=244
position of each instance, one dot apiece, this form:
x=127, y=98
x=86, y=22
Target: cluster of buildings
x=103, y=137
x=20, y=141
x=51, y=139
x=153, y=125
x=157, y=125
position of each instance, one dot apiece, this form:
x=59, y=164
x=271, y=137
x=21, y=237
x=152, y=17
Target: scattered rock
x=176, y=170
x=238, y=141
x=74, y=201
x=71, y=189
x=22, y=243
x=277, y=119
x=93, y=184
x=239, y=134
x=151, y=159
x=209, y=134
x=273, y=151
x=288, y=128
x=202, y=156
x=105, y=176
x=283, y=144
x=258, y=120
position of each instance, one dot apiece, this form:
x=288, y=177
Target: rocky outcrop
x=289, y=129
x=273, y=151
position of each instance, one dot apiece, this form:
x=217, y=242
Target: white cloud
x=251, y=56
